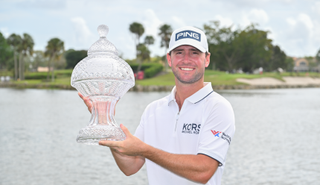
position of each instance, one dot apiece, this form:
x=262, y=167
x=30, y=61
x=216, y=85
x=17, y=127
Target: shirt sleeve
x=217, y=132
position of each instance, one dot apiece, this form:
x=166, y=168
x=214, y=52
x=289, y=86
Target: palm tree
x=15, y=41
x=54, y=51
x=148, y=40
x=5, y=53
x=143, y=52
x=26, y=48
x=137, y=29
x=165, y=34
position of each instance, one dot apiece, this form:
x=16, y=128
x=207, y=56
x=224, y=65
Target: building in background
x=43, y=69
x=305, y=64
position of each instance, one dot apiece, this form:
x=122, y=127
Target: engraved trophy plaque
x=104, y=78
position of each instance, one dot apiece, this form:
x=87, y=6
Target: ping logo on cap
x=188, y=34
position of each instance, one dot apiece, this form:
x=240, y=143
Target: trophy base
x=91, y=135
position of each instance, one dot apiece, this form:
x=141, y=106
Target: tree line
x=15, y=49
x=142, y=50
x=231, y=49
x=245, y=49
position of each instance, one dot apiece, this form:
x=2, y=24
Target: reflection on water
x=276, y=140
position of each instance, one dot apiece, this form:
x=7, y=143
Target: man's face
x=188, y=64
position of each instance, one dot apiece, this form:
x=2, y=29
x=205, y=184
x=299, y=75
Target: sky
x=294, y=25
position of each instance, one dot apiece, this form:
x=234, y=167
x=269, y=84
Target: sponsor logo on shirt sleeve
x=221, y=135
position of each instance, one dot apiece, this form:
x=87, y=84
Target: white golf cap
x=189, y=36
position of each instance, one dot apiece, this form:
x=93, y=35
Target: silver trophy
x=104, y=78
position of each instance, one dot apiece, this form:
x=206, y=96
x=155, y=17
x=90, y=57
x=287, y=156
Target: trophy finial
x=103, y=30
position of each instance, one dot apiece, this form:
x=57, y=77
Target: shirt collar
x=172, y=95
x=196, y=97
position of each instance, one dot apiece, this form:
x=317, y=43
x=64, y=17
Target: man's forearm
x=198, y=168
x=128, y=164
x=130, y=155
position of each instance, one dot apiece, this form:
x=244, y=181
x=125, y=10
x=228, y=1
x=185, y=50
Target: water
x=276, y=140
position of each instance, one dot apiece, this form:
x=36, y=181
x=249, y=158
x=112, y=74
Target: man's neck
x=183, y=91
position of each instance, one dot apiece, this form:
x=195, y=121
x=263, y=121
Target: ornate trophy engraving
x=104, y=78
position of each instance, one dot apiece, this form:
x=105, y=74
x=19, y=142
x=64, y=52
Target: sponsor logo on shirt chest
x=191, y=128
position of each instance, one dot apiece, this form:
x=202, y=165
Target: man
x=183, y=137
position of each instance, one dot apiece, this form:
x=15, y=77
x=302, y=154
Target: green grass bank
x=163, y=82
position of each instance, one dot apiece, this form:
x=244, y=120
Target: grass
x=222, y=78
x=215, y=77
x=62, y=81
x=166, y=79
x=219, y=78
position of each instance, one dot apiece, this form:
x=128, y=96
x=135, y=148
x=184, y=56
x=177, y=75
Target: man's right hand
x=86, y=101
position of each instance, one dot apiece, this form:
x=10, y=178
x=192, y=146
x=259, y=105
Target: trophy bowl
x=104, y=78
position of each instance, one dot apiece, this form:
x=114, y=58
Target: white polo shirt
x=204, y=125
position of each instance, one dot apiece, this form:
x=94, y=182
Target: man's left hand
x=131, y=146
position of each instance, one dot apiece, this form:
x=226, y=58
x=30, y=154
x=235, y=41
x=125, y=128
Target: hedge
x=63, y=73
x=150, y=69
x=37, y=76
x=43, y=75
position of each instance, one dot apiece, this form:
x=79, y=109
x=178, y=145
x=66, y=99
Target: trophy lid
x=102, y=72
x=103, y=45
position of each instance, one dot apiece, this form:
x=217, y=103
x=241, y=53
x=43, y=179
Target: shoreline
x=258, y=83
x=285, y=81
